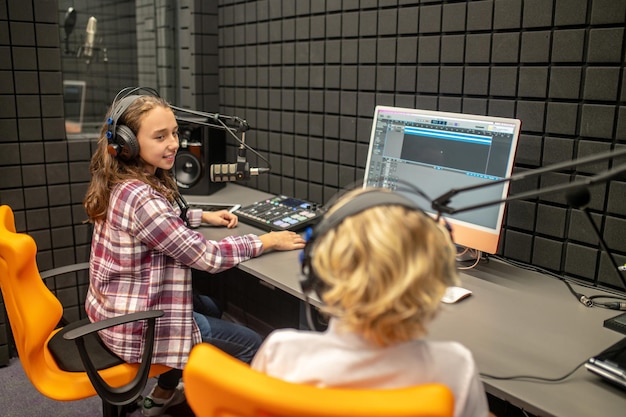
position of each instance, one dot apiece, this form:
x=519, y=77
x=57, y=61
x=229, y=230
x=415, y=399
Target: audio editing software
x=280, y=213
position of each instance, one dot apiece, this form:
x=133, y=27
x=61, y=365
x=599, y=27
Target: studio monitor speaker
x=200, y=146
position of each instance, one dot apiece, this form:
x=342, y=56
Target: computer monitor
x=439, y=151
x=74, y=103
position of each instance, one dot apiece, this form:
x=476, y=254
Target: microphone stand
x=577, y=193
x=578, y=198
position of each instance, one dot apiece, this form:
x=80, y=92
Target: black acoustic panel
x=597, y=120
x=507, y=14
x=572, y=12
x=533, y=81
x=605, y=45
x=580, y=260
x=474, y=105
x=614, y=233
x=547, y=253
x=476, y=80
x=606, y=271
x=617, y=198
x=537, y=13
x=557, y=150
x=504, y=48
x=565, y=82
x=579, y=228
x=551, y=220
x=606, y=11
x=37, y=197
x=452, y=48
x=535, y=47
x=477, y=48
x=561, y=118
x=47, y=35
x=454, y=17
x=600, y=83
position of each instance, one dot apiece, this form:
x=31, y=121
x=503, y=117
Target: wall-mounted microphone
x=90, y=38
x=234, y=172
x=69, y=24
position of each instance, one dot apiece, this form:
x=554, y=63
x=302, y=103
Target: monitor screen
x=440, y=151
x=74, y=104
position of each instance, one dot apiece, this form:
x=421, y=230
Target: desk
x=516, y=322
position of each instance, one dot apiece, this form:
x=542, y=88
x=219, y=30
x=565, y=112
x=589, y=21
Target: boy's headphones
x=359, y=203
x=122, y=141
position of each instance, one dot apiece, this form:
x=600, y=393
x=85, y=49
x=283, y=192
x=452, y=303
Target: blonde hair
x=384, y=271
x=107, y=170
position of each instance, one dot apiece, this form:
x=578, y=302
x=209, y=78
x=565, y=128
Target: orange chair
x=217, y=385
x=68, y=363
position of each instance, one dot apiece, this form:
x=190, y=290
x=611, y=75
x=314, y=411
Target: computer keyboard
x=280, y=213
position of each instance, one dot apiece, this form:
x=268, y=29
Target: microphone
x=234, y=172
x=578, y=197
x=69, y=24
x=90, y=39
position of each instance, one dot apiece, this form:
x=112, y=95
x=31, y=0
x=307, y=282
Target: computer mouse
x=455, y=294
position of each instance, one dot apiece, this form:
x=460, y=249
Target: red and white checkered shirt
x=141, y=259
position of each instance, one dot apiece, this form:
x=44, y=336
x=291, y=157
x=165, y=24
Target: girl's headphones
x=122, y=141
x=358, y=204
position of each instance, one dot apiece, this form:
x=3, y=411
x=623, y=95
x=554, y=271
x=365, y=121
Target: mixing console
x=280, y=213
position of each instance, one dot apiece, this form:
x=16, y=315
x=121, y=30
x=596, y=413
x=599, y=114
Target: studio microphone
x=90, y=38
x=235, y=172
x=239, y=171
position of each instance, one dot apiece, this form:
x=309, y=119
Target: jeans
x=234, y=339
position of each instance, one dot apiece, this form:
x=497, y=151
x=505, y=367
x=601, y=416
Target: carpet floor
x=18, y=398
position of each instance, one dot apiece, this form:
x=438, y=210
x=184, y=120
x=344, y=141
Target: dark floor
x=19, y=398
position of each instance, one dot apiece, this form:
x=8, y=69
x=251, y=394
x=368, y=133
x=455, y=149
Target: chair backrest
x=217, y=385
x=32, y=309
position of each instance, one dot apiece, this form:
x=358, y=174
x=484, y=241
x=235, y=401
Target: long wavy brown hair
x=107, y=170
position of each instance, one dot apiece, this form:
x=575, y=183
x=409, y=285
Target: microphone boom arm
x=441, y=203
x=215, y=120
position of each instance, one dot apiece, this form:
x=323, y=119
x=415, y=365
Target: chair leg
x=110, y=410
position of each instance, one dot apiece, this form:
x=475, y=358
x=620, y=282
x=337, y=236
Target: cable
x=535, y=378
x=476, y=258
x=619, y=302
x=615, y=303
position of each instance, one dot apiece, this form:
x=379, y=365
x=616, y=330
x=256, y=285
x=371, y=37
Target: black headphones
x=122, y=141
x=358, y=204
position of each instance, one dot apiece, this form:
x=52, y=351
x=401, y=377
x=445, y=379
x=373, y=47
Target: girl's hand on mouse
x=220, y=218
x=284, y=240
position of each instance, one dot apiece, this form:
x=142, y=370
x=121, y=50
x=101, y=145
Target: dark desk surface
x=516, y=322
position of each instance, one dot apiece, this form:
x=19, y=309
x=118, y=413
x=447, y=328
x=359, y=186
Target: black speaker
x=200, y=146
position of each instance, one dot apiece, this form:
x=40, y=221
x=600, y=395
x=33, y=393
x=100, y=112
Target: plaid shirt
x=141, y=259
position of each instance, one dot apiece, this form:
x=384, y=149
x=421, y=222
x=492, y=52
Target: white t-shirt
x=333, y=359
